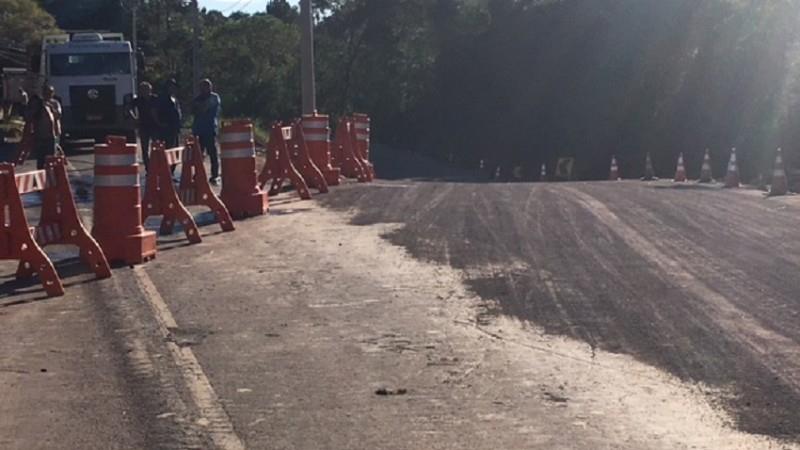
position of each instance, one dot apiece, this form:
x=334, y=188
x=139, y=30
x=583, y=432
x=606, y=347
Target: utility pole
x=307, y=56
x=134, y=26
x=133, y=6
x=196, y=66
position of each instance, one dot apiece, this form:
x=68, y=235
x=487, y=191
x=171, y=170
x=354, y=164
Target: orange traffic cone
x=543, y=173
x=732, y=177
x=780, y=185
x=680, y=172
x=706, y=175
x=649, y=172
x=614, y=172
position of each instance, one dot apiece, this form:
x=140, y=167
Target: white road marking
x=219, y=423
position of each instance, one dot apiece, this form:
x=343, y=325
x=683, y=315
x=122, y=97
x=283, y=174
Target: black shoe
x=214, y=181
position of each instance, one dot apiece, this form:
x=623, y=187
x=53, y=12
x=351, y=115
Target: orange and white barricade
x=732, y=175
x=680, y=170
x=194, y=188
x=706, y=174
x=241, y=192
x=649, y=171
x=59, y=223
x=278, y=167
x=613, y=172
x=780, y=183
x=17, y=241
x=317, y=134
x=302, y=161
x=361, y=129
x=118, y=204
x=344, y=148
x=160, y=196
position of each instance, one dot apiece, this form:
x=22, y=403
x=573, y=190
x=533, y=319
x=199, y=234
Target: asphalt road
x=424, y=314
x=699, y=281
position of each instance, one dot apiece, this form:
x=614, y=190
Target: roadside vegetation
x=514, y=82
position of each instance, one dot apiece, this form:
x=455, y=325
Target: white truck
x=94, y=76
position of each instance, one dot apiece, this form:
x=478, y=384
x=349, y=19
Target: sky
x=229, y=6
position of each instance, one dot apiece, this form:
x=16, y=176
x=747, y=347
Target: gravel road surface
x=423, y=314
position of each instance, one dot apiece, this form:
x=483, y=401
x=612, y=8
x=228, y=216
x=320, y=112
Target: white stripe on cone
x=680, y=171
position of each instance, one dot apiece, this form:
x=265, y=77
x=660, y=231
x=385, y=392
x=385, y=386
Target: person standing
x=169, y=114
x=143, y=110
x=206, y=109
x=45, y=129
x=18, y=108
x=54, y=104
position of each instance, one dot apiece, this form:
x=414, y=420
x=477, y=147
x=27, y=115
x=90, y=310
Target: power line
x=235, y=5
x=246, y=4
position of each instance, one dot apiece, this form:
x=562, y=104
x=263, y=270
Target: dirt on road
x=700, y=282
x=428, y=315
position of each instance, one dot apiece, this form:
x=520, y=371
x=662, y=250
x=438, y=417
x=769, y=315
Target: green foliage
x=87, y=14
x=165, y=40
x=593, y=78
x=378, y=56
x=23, y=23
x=283, y=11
x=253, y=62
x=509, y=81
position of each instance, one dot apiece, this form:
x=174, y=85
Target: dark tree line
x=515, y=82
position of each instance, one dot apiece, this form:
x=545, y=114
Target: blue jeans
x=208, y=144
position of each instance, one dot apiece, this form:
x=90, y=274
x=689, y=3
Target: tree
x=511, y=81
x=254, y=64
x=165, y=39
x=107, y=15
x=23, y=23
x=283, y=11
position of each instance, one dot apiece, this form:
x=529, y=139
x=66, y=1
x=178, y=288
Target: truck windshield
x=87, y=64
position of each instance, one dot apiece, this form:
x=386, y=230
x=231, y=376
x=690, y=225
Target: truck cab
x=94, y=77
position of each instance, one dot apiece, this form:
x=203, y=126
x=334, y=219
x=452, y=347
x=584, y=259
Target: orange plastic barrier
x=302, y=159
x=241, y=192
x=59, y=223
x=278, y=166
x=362, y=132
x=345, y=151
x=194, y=188
x=17, y=241
x=317, y=136
x=160, y=196
x=118, y=204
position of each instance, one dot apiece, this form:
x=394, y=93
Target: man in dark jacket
x=169, y=114
x=143, y=110
x=45, y=129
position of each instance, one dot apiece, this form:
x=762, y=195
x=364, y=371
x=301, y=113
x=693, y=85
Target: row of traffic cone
x=780, y=185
